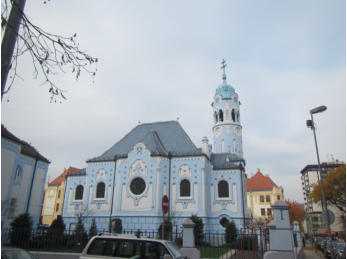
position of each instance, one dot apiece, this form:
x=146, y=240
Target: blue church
x=128, y=181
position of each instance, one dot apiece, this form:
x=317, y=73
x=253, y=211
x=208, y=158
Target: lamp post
x=311, y=125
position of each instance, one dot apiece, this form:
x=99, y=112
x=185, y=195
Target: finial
x=223, y=67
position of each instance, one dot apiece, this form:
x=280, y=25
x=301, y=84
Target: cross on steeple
x=223, y=67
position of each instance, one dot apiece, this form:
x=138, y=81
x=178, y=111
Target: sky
x=160, y=61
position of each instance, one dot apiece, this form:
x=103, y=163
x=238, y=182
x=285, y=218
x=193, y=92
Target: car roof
x=129, y=237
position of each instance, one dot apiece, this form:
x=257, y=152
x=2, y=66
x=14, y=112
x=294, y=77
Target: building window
x=57, y=207
x=185, y=188
x=262, y=211
x=215, y=117
x=268, y=198
x=233, y=115
x=17, y=173
x=223, y=189
x=261, y=198
x=278, y=197
x=59, y=192
x=79, y=192
x=269, y=212
x=138, y=186
x=100, y=191
x=221, y=115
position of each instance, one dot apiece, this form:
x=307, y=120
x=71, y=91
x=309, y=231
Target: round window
x=137, y=186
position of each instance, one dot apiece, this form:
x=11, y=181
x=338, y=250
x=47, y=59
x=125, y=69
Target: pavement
x=310, y=252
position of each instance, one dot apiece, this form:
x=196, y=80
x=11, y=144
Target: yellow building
x=54, y=197
x=262, y=192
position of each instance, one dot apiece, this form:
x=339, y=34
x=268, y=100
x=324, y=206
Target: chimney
x=205, y=146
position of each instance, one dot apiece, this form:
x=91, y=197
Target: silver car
x=129, y=246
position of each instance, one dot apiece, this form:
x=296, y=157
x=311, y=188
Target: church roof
x=225, y=161
x=159, y=137
x=26, y=148
x=62, y=177
x=259, y=182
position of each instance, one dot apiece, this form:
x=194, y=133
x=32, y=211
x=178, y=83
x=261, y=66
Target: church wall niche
x=187, y=169
x=230, y=203
x=100, y=173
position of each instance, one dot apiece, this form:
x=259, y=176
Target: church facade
x=128, y=181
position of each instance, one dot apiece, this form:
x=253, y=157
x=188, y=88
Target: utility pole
x=9, y=39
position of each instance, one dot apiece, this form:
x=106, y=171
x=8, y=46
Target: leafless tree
x=50, y=53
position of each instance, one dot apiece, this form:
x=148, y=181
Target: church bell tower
x=227, y=129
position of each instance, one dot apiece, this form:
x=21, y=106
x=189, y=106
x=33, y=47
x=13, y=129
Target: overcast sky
x=160, y=60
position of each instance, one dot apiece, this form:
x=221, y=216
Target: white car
x=130, y=246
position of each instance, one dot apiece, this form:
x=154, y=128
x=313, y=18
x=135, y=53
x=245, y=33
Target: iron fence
x=245, y=244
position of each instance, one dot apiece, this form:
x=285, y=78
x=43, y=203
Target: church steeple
x=227, y=129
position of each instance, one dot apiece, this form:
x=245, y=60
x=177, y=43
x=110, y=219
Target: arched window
x=79, y=192
x=223, y=189
x=185, y=188
x=100, y=190
x=233, y=114
x=238, y=116
x=221, y=115
x=215, y=117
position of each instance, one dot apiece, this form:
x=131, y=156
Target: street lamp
x=310, y=124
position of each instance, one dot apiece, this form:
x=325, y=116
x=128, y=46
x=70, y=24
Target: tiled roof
x=62, y=177
x=81, y=172
x=259, y=182
x=225, y=161
x=159, y=137
x=26, y=148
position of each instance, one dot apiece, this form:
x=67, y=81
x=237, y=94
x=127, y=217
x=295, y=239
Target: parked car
x=328, y=248
x=130, y=246
x=319, y=242
x=339, y=250
x=15, y=253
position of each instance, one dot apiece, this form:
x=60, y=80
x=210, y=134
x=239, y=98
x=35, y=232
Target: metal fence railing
x=244, y=244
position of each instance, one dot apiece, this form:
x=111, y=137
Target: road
x=49, y=255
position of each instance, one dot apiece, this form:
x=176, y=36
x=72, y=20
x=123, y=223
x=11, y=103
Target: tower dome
x=225, y=90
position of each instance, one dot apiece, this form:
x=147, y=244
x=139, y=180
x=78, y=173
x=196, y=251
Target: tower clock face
x=217, y=131
x=238, y=131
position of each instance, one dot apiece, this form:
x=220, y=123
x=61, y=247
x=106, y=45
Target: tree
x=50, y=53
x=80, y=234
x=230, y=232
x=92, y=229
x=116, y=226
x=296, y=212
x=165, y=229
x=21, y=230
x=334, y=187
x=198, y=229
x=58, y=226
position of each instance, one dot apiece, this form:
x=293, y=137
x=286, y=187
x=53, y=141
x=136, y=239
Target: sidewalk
x=312, y=253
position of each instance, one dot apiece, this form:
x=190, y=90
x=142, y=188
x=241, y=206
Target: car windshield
x=174, y=249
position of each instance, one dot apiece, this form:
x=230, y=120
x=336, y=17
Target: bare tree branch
x=51, y=54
